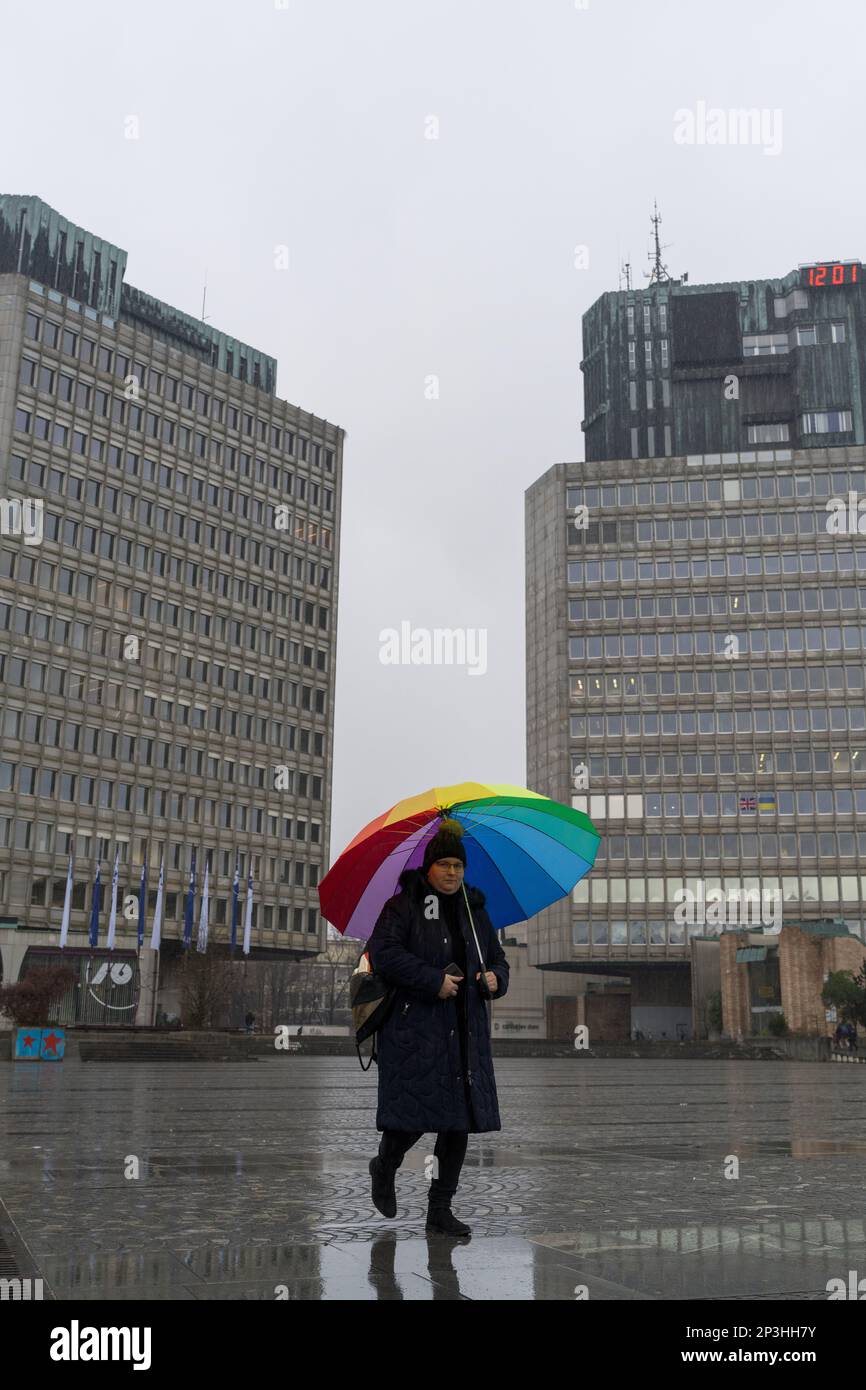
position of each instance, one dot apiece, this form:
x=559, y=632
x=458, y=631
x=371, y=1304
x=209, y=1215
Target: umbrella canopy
x=523, y=850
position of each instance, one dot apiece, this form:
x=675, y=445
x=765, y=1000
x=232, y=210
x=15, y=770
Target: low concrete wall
x=801, y=1049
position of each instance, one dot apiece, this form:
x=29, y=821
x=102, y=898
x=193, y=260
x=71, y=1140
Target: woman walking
x=434, y=1056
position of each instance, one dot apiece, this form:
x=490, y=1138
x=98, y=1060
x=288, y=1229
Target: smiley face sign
x=110, y=977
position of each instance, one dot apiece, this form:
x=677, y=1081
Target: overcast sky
x=413, y=258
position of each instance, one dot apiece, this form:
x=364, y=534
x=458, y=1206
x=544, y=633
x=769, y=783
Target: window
x=768, y=434
x=826, y=422
x=764, y=344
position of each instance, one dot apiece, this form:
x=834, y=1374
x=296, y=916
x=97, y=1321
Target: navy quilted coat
x=421, y=1084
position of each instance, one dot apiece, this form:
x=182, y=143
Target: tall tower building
x=168, y=600
x=696, y=633
x=678, y=369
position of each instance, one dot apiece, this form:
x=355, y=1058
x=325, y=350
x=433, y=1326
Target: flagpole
x=156, y=934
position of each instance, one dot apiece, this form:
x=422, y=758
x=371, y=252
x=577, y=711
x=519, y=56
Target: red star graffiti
x=50, y=1040
x=29, y=1041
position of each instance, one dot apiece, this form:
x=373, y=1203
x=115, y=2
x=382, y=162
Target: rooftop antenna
x=659, y=272
x=625, y=274
x=204, y=316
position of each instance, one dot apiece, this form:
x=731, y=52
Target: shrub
x=714, y=1011
x=777, y=1026
x=28, y=1002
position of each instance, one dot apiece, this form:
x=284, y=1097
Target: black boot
x=383, y=1193
x=440, y=1218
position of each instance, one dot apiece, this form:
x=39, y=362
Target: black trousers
x=450, y=1151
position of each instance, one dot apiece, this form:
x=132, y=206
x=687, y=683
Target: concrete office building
x=677, y=369
x=696, y=658
x=167, y=643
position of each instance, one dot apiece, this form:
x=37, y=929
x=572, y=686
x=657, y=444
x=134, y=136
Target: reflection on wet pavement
x=612, y=1180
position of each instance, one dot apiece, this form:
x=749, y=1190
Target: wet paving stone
x=610, y=1179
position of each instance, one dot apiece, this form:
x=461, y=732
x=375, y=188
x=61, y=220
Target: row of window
x=52, y=478
x=817, y=719
x=731, y=645
x=804, y=335
x=63, y=434
x=153, y=657
x=17, y=673
x=731, y=526
x=45, y=838
x=53, y=627
x=174, y=390
x=832, y=888
x=732, y=565
x=231, y=631
x=840, y=801
x=62, y=840
x=125, y=550
x=764, y=762
x=43, y=574
x=662, y=318
x=46, y=892
x=615, y=685
x=648, y=357
x=725, y=603
x=97, y=741
x=747, y=487
x=115, y=646
x=650, y=387
x=652, y=933
x=730, y=845
x=108, y=795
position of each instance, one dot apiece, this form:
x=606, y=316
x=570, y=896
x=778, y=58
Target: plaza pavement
x=607, y=1181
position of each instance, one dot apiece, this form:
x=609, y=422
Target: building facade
x=696, y=661
x=169, y=564
x=677, y=369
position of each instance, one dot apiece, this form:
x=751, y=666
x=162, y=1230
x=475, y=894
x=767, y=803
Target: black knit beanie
x=447, y=843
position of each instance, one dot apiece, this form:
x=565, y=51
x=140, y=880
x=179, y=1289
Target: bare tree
x=205, y=990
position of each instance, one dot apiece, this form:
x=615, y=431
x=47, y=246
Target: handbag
x=370, y=999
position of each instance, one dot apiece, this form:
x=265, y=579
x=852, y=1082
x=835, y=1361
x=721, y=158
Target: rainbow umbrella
x=523, y=850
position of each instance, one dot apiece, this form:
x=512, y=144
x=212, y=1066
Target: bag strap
x=374, y=1057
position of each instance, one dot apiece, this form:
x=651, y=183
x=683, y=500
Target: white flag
x=157, y=916
x=201, y=944
x=112, y=920
x=248, y=915
x=67, y=905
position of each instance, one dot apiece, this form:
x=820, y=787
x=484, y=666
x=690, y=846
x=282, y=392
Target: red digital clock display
x=832, y=273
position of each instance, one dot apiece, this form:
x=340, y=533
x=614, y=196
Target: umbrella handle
x=482, y=983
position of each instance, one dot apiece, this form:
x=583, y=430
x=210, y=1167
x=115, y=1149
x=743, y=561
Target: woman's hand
x=492, y=982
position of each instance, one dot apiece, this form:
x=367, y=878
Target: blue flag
x=142, y=901
x=190, y=899
x=94, y=911
x=235, y=907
